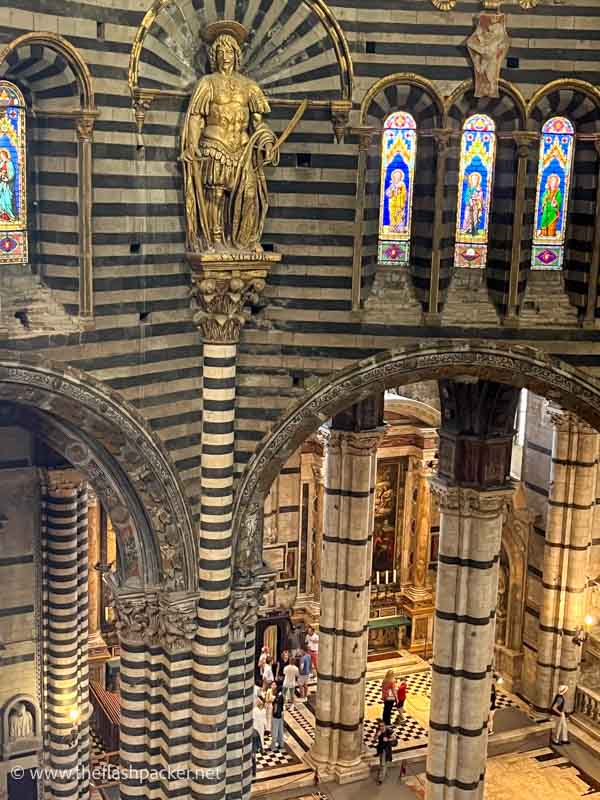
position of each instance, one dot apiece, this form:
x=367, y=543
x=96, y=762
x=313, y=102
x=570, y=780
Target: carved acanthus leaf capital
x=221, y=301
x=246, y=602
x=156, y=618
x=469, y=501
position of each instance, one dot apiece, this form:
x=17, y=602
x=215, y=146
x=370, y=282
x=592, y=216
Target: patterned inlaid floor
x=537, y=775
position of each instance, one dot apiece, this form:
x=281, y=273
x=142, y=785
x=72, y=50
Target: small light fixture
x=500, y=681
x=582, y=634
x=73, y=717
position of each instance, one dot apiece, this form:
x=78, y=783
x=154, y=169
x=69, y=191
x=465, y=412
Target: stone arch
x=69, y=57
x=509, y=108
x=163, y=52
x=522, y=367
x=111, y=444
x=58, y=84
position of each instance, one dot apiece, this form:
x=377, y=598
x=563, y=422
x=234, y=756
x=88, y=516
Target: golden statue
x=225, y=145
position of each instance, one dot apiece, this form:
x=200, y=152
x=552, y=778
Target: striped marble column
x=66, y=636
x=222, y=291
x=463, y=647
x=350, y=477
x=569, y=530
x=473, y=487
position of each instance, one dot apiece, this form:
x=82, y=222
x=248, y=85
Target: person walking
x=269, y=698
x=305, y=666
x=401, y=694
x=277, y=720
x=492, y=709
x=385, y=743
x=291, y=673
x=560, y=734
x=389, y=696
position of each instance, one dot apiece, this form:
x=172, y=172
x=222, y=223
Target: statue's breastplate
x=228, y=117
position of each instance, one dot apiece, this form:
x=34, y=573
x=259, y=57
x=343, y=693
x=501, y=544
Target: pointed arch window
x=475, y=180
x=557, y=147
x=398, y=156
x=13, y=171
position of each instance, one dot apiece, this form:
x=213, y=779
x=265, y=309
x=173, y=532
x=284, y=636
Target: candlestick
x=387, y=577
x=395, y=575
x=378, y=576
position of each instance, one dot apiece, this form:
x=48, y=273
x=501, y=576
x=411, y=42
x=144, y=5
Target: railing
x=587, y=702
x=105, y=715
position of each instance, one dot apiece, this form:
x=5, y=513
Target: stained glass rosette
x=477, y=158
x=398, y=156
x=557, y=146
x=13, y=198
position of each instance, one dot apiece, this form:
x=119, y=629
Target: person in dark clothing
x=256, y=748
x=277, y=720
x=385, y=743
x=492, y=709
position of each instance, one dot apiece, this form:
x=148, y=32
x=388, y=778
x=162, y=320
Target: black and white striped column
x=66, y=636
x=346, y=564
x=569, y=529
x=473, y=487
x=222, y=290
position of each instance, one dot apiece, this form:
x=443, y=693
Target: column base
x=341, y=773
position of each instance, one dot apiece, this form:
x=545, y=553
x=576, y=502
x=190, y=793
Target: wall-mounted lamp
x=71, y=737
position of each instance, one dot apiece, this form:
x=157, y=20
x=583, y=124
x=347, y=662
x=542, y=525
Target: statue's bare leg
x=217, y=204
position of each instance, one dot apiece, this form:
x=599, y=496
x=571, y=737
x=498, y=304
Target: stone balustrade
x=587, y=702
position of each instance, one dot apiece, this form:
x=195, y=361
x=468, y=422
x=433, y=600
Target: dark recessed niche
x=135, y=247
x=23, y=317
x=370, y=47
x=100, y=32
x=144, y=316
x=268, y=247
x=512, y=62
x=303, y=159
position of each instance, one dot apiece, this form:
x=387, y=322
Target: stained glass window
x=476, y=176
x=398, y=155
x=554, y=176
x=13, y=192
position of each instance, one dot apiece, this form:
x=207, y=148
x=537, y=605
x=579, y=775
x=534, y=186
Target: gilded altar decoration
x=398, y=157
x=444, y=5
x=477, y=160
x=488, y=46
x=225, y=146
x=390, y=482
x=13, y=191
x=557, y=147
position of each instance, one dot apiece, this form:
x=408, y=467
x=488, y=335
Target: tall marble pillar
x=64, y=547
x=569, y=530
x=221, y=728
x=346, y=563
x=473, y=486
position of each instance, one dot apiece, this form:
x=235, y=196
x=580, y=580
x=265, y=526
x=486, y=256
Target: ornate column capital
x=84, y=124
x=65, y=480
x=142, y=100
x=245, y=604
x=563, y=420
x=472, y=502
x=525, y=142
x=366, y=134
x=443, y=139
x=156, y=618
x=360, y=443
x=221, y=297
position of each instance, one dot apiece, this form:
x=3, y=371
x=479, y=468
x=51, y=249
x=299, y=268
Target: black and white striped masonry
x=66, y=631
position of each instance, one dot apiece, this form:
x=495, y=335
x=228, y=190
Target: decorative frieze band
x=470, y=501
x=156, y=618
x=362, y=443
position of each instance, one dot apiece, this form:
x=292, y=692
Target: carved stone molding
x=246, y=602
x=248, y=559
x=159, y=619
x=471, y=502
x=562, y=421
x=222, y=299
x=340, y=117
x=112, y=446
x=519, y=366
x=363, y=443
